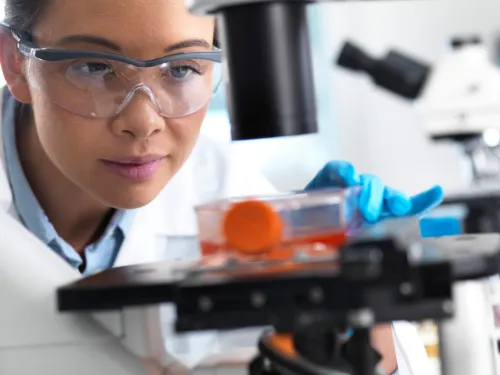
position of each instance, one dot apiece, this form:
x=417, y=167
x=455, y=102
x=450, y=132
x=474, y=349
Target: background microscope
x=458, y=100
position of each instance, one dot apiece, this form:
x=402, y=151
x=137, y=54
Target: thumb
x=335, y=174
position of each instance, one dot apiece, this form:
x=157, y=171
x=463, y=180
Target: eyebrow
x=108, y=44
x=188, y=43
x=88, y=39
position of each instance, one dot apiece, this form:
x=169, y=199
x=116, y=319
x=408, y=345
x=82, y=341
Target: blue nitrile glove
x=377, y=201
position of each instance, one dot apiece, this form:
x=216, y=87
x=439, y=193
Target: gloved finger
x=335, y=174
x=420, y=203
x=426, y=201
x=348, y=175
x=396, y=202
x=371, y=199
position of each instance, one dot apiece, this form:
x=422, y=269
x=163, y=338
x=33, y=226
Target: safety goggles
x=100, y=85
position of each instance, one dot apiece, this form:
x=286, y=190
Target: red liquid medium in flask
x=276, y=228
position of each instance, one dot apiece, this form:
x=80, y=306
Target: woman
x=105, y=126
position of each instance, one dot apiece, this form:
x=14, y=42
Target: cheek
x=68, y=140
x=74, y=145
x=185, y=131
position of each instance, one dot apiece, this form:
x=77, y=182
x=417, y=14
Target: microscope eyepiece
x=354, y=58
x=459, y=42
x=396, y=72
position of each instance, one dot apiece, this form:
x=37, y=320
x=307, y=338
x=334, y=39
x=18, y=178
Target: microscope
x=54, y=321
x=458, y=100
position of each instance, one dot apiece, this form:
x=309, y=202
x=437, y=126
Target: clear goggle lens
x=101, y=88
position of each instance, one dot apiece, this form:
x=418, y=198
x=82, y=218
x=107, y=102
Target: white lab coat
x=166, y=229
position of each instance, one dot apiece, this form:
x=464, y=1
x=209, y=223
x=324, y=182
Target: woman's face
x=111, y=158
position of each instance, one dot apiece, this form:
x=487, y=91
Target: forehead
x=134, y=25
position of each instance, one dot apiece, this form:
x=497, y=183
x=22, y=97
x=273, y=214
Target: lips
x=140, y=168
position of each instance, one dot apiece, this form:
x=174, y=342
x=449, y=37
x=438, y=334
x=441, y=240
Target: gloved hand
x=377, y=201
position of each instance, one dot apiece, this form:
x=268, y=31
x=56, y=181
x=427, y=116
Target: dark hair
x=216, y=37
x=22, y=15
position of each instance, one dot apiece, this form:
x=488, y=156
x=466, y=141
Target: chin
x=130, y=199
x=122, y=194
x=131, y=204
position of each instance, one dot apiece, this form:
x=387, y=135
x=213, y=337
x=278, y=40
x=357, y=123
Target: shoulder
x=202, y=178
x=222, y=170
x=213, y=171
x=210, y=164
x=211, y=155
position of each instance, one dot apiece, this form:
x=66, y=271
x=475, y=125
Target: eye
x=93, y=69
x=183, y=71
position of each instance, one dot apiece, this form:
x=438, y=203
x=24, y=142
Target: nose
x=139, y=117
